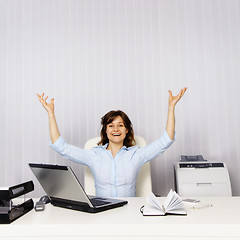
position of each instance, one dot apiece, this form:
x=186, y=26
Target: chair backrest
x=144, y=181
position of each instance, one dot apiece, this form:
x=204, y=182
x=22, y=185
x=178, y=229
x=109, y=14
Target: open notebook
x=172, y=205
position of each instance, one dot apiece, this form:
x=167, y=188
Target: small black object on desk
x=10, y=212
x=40, y=205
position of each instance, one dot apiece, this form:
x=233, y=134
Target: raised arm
x=53, y=128
x=170, y=128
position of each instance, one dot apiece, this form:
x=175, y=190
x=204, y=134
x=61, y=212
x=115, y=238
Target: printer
x=195, y=176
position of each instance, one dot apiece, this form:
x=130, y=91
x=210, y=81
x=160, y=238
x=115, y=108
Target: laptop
x=64, y=189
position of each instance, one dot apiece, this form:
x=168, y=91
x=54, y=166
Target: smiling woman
x=117, y=131
x=116, y=161
x=117, y=120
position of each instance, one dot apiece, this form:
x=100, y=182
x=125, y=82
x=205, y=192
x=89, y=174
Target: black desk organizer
x=10, y=212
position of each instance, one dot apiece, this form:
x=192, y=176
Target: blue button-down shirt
x=114, y=177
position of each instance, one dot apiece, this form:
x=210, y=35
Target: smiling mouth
x=116, y=135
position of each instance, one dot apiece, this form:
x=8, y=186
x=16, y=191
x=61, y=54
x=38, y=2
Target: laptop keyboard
x=97, y=202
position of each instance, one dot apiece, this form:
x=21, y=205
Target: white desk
x=222, y=221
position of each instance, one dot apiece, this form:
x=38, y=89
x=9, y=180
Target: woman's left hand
x=172, y=101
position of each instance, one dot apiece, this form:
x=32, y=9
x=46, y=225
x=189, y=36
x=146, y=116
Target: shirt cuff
x=166, y=139
x=58, y=145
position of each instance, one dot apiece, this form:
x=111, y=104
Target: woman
x=115, y=163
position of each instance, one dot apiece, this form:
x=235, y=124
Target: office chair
x=144, y=181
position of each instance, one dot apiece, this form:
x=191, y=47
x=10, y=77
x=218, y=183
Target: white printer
x=195, y=176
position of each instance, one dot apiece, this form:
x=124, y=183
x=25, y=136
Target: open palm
x=174, y=99
x=48, y=106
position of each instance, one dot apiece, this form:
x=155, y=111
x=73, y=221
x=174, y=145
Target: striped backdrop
x=96, y=55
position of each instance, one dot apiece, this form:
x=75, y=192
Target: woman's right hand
x=48, y=106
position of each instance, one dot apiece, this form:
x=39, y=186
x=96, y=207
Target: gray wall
x=93, y=56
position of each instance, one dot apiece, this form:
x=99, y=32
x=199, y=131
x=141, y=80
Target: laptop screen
x=59, y=182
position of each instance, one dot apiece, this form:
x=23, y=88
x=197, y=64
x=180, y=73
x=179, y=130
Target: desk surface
x=220, y=221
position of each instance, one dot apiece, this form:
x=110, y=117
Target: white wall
x=93, y=56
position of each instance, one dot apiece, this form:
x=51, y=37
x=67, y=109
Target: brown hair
x=108, y=118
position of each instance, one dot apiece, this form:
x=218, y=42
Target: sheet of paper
x=152, y=200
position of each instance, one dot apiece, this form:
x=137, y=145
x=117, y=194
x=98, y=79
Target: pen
x=202, y=206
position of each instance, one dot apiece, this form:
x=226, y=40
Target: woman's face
x=116, y=130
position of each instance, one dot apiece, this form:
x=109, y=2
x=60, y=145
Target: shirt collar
x=106, y=145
